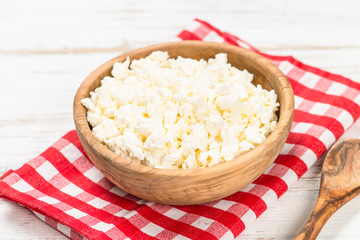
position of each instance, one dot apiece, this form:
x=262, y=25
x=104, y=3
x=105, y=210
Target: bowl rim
x=79, y=114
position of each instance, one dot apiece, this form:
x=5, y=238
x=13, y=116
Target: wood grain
x=193, y=186
x=340, y=183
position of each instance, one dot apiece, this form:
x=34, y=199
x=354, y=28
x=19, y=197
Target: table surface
x=47, y=48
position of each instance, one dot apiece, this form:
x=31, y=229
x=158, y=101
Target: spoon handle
x=321, y=213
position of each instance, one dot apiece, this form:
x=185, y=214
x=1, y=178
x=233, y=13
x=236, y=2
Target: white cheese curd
x=180, y=113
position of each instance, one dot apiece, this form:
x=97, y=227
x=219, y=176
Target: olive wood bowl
x=190, y=186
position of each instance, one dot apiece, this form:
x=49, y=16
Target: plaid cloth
x=64, y=189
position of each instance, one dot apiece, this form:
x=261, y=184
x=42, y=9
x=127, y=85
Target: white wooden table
x=47, y=48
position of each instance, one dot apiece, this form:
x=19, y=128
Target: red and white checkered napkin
x=64, y=189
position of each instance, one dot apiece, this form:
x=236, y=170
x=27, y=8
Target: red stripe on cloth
x=228, y=38
x=54, y=224
x=237, y=227
x=186, y=35
x=223, y=217
x=36, y=181
x=70, y=171
x=275, y=183
x=327, y=122
x=75, y=235
x=350, y=93
x=201, y=32
x=322, y=73
x=317, y=96
x=291, y=59
x=308, y=141
x=292, y=162
x=255, y=203
x=6, y=174
x=237, y=39
x=323, y=85
x=73, y=175
x=74, y=139
x=131, y=230
x=209, y=26
x=173, y=225
x=49, y=210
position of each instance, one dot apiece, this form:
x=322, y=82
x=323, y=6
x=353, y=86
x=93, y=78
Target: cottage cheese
x=180, y=113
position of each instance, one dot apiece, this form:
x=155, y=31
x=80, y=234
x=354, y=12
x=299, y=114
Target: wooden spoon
x=340, y=182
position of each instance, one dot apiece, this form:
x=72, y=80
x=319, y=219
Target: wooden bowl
x=190, y=186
